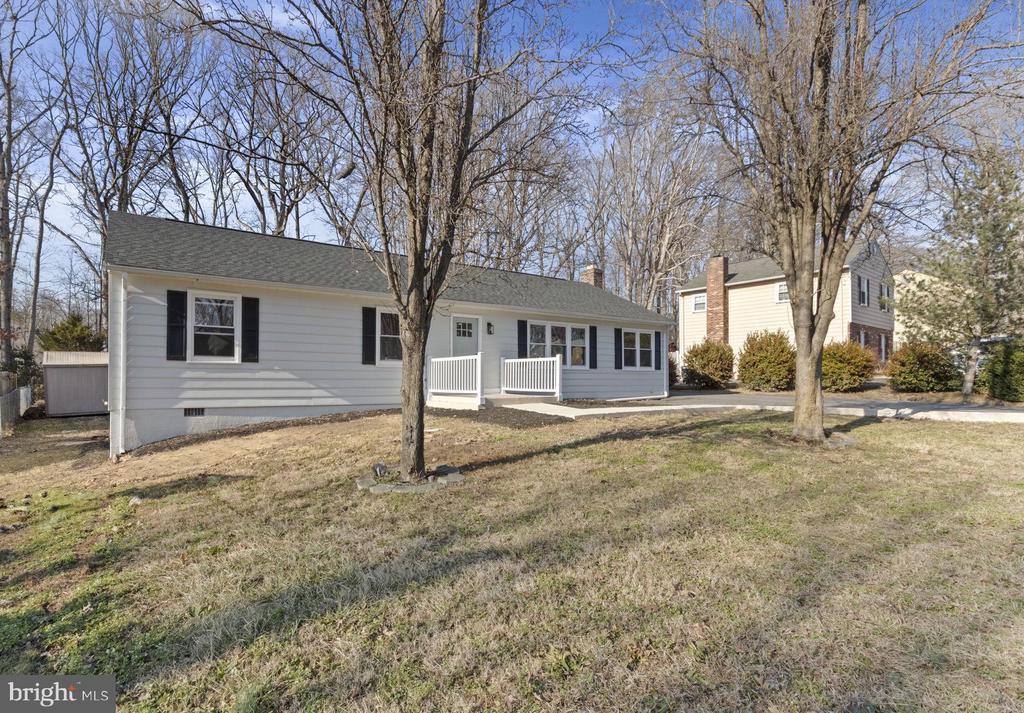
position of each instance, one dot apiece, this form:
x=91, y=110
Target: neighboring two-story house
x=729, y=301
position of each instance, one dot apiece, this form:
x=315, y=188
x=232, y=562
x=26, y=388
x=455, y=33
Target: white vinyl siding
x=310, y=361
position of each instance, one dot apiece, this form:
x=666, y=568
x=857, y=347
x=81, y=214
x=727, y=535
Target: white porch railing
x=535, y=376
x=453, y=376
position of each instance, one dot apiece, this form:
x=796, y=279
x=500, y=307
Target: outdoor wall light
x=490, y=328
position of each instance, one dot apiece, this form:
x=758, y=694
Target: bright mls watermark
x=77, y=694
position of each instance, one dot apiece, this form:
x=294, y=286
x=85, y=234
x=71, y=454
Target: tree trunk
x=972, y=370
x=414, y=354
x=6, y=292
x=809, y=412
x=37, y=263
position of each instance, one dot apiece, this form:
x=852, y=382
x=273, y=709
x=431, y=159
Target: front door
x=466, y=336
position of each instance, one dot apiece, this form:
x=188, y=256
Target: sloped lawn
x=642, y=563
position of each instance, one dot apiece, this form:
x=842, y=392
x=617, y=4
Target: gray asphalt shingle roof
x=145, y=242
x=762, y=268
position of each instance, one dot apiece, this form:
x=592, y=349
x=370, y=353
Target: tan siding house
x=755, y=299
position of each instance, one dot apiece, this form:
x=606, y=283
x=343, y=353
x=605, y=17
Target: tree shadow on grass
x=179, y=486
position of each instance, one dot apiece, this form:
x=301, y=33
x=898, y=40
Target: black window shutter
x=618, y=348
x=251, y=329
x=369, y=335
x=657, y=351
x=177, y=318
x=593, y=347
x=521, y=330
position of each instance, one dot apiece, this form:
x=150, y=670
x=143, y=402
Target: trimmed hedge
x=1002, y=375
x=918, y=366
x=709, y=365
x=767, y=362
x=846, y=366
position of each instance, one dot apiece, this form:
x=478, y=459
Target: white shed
x=76, y=383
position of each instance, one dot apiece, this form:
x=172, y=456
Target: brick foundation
x=873, y=339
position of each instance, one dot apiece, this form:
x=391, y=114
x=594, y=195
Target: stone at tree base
x=366, y=481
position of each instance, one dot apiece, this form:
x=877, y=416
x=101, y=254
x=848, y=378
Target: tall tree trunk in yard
x=414, y=354
x=971, y=373
x=819, y=106
x=808, y=412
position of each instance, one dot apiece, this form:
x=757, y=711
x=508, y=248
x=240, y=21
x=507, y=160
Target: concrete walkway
x=857, y=408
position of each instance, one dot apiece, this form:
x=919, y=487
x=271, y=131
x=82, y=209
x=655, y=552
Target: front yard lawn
x=652, y=563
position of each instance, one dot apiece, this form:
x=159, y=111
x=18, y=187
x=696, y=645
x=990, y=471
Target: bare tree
x=24, y=24
x=660, y=174
x=124, y=86
x=279, y=140
x=820, y=104
x=408, y=81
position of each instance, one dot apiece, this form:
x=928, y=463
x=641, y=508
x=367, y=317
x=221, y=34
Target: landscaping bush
x=709, y=365
x=673, y=369
x=1002, y=375
x=846, y=366
x=918, y=366
x=767, y=362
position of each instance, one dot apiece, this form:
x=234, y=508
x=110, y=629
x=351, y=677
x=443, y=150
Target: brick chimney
x=718, y=300
x=593, y=275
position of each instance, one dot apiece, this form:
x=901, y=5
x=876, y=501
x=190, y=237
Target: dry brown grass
x=641, y=563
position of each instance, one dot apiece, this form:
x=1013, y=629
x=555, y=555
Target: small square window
x=464, y=329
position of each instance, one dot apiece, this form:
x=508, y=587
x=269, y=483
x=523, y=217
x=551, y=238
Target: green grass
x=652, y=563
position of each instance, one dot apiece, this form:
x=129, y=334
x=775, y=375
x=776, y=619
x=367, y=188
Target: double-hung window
x=214, y=322
x=782, y=292
x=637, y=349
x=389, y=341
x=863, y=291
x=578, y=346
x=885, y=297
x=700, y=303
x=566, y=341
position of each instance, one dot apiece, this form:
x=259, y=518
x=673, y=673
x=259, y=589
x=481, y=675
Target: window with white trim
x=464, y=329
x=700, y=303
x=637, y=349
x=214, y=321
x=782, y=292
x=863, y=291
x=389, y=341
x=885, y=297
x=569, y=342
x=578, y=346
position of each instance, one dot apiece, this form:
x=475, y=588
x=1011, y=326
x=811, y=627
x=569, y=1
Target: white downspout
x=123, y=366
